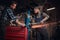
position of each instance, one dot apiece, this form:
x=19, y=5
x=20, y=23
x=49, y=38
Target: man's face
x=13, y=6
x=36, y=10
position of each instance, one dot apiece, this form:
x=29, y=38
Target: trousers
x=2, y=31
x=42, y=34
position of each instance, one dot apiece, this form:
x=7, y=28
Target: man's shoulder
x=9, y=10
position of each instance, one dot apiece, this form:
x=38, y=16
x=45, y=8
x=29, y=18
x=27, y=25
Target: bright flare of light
x=51, y=9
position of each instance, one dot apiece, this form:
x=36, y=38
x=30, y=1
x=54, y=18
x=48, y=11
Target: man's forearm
x=46, y=18
x=19, y=23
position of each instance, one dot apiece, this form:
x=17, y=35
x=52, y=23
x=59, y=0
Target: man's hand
x=21, y=24
x=11, y=23
x=42, y=22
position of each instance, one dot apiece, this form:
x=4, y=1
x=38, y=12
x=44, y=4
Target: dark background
x=23, y=5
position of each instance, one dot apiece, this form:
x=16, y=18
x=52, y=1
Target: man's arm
x=13, y=18
x=19, y=23
x=45, y=17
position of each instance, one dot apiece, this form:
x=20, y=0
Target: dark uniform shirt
x=7, y=16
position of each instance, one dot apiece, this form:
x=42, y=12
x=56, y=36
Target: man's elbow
x=48, y=17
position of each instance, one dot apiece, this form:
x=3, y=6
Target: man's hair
x=12, y=2
x=37, y=7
